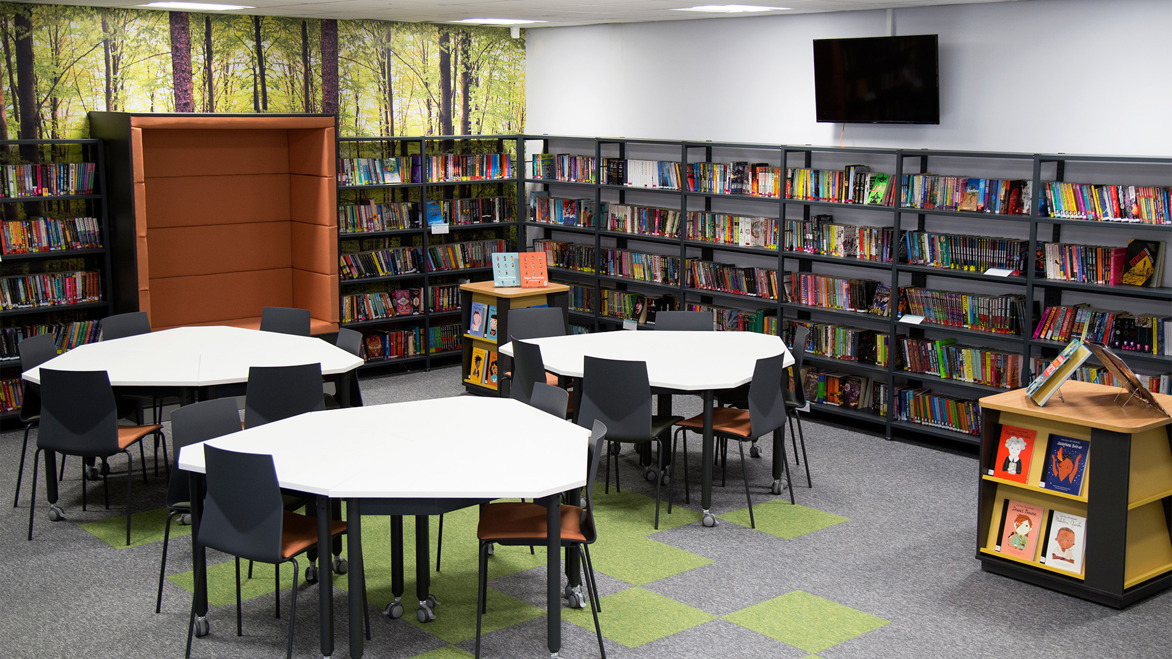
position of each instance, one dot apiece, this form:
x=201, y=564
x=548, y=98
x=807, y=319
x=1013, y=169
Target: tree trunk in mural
x=260, y=65
x=106, y=58
x=387, y=84
x=26, y=84
x=181, y=62
x=306, y=91
x=207, y=63
x=329, y=66
x=445, y=83
x=465, y=84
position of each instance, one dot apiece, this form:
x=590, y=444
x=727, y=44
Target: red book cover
x=1014, y=450
x=1020, y=528
x=534, y=273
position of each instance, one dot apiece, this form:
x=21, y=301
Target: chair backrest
x=350, y=341
x=550, y=399
x=34, y=351
x=695, y=321
x=78, y=415
x=125, y=324
x=536, y=322
x=617, y=393
x=528, y=370
x=243, y=512
x=286, y=320
x=798, y=350
x=195, y=423
x=766, y=396
x=594, y=456
x=277, y=392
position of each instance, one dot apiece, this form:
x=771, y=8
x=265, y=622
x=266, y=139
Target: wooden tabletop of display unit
x=486, y=288
x=1087, y=404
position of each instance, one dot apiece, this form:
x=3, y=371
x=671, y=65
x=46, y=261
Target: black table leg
x=708, y=453
x=427, y=603
x=325, y=576
x=199, y=558
x=553, y=602
x=356, y=576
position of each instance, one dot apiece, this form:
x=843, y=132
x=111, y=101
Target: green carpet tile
x=783, y=519
x=636, y=617
x=806, y=621
x=145, y=527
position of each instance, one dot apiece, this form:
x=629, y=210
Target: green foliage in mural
x=391, y=78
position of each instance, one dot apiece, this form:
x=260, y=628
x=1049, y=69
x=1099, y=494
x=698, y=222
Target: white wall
x=1073, y=76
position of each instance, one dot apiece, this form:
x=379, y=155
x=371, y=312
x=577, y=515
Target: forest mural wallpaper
x=381, y=78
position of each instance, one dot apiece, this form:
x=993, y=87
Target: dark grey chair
x=189, y=425
x=536, y=322
x=278, y=392
x=243, y=515
x=519, y=523
x=285, y=320
x=550, y=399
x=618, y=393
x=350, y=341
x=693, y=321
x=125, y=324
x=133, y=406
x=78, y=417
x=766, y=413
x=34, y=351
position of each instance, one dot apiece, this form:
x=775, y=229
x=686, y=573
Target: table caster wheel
x=776, y=487
x=651, y=474
x=340, y=565
x=311, y=574
x=394, y=610
x=93, y=474
x=754, y=451
x=202, y=627
x=55, y=513
x=614, y=449
x=424, y=613
x=709, y=519
x=432, y=602
x=185, y=519
x=576, y=599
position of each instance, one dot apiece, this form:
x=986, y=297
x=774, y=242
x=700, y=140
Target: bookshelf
x=54, y=250
x=832, y=227
x=418, y=217
x=1124, y=496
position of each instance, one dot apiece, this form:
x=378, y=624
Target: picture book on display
x=1021, y=524
x=1066, y=541
x=1014, y=450
x=490, y=323
x=1059, y=371
x=1143, y=264
x=476, y=319
x=1066, y=463
x=477, y=368
x=506, y=269
x=489, y=377
x=534, y=273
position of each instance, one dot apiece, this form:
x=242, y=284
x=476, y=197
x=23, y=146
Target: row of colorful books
x=1144, y=204
x=1023, y=525
x=640, y=266
x=925, y=407
x=821, y=235
x=946, y=359
x=728, y=229
x=67, y=335
x=564, y=167
x=471, y=210
x=482, y=321
x=620, y=304
x=374, y=306
x=727, y=278
x=958, y=193
x=379, y=171
x=758, y=179
x=644, y=220
x=999, y=314
x=581, y=298
x=561, y=211
x=372, y=216
x=50, y=289
x=1098, y=374
x=11, y=394
x=571, y=256
x=392, y=344
x=443, y=298
x=1119, y=330
x=965, y=252
x=457, y=256
x=856, y=392
x=733, y=320
x=49, y=180
x=855, y=184
x=381, y=263
x=660, y=174
x=843, y=293
x=483, y=369
x=449, y=167
x=1141, y=263
x=841, y=342
x=49, y=234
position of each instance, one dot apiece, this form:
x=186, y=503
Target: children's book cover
x=476, y=319
x=476, y=368
x=1066, y=463
x=1014, y=450
x=489, y=377
x=1020, y=529
x=490, y=323
x=1066, y=541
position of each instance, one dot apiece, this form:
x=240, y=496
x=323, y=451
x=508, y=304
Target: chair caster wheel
x=394, y=610
x=709, y=519
x=185, y=519
x=340, y=565
x=754, y=451
x=614, y=449
x=576, y=599
x=776, y=487
x=311, y=574
x=56, y=514
x=93, y=474
x=202, y=627
x=431, y=602
x=424, y=613
x=650, y=474
x=490, y=550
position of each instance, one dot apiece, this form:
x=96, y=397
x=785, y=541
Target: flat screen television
x=877, y=80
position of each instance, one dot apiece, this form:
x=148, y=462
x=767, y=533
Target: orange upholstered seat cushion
x=728, y=420
x=128, y=435
x=300, y=533
x=518, y=522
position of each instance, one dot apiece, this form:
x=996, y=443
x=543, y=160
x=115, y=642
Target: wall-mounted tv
x=877, y=80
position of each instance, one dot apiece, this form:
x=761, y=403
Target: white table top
x=460, y=447
x=688, y=361
x=198, y=356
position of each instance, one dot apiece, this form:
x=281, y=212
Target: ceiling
x=555, y=13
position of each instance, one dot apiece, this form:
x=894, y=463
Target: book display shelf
x=914, y=269
x=417, y=217
x=54, y=250
x=1084, y=510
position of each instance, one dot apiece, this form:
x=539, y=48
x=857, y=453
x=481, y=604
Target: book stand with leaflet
x=1125, y=491
x=1126, y=378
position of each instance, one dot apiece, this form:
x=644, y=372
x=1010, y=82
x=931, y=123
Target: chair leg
x=439, y=543
x=239, y=618
x=20, y=469
x=590, y=573
x=481, y=588
x=745, y=475
x=659, y=455
x=802, y=441
x=292, y=611
x=793, y=439
x=671, y=484
x=277, y=591
x=129, y=500
x=191, y=620
x=32, y=502
x=163, y=562
x=593, y=593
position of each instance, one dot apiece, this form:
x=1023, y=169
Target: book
x=878, y=193
x=476, y=319
x=1143, y=263
x=1020, y=527
x=533, y=270
x=969, y=201
x=1066, y=541
x=1014, y=451
x=477, y=367
x=1066, y=463
x=1051, y=378
x=490, y=324
x=505, y=269
x=435, y=215
x=489, y=377
x=402, y=300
